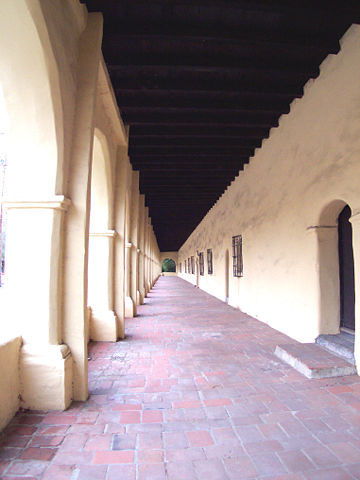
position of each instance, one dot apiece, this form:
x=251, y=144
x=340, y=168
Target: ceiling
x=201, y=83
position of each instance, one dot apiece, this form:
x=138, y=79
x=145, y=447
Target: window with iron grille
x=209, y=261
x=201, y=263
x=192, y=265
x=237, y=256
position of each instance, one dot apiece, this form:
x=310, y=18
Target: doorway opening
x=346, y=272
x=337, y=281
x=168, y=265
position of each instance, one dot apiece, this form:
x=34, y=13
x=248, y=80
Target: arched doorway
x=168, y=265
x=336, y=279
x=346, y=271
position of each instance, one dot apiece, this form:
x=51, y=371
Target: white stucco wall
x=311, y=159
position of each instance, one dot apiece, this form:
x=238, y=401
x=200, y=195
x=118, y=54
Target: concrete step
x=341, y=345
x=313, y=361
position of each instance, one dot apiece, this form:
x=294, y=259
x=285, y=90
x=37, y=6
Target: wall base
x=46, y=377
x=103, y=326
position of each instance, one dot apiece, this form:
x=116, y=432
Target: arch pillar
x=141, y=289
x=119, y=240
x=77, y=224
x=146, y=251
x=134, y=227
x=130, y=309
x=355, y=221
x=103, y=323
x=34, y=300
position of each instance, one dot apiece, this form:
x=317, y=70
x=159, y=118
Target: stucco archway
x=103, y=324
x=30, y=80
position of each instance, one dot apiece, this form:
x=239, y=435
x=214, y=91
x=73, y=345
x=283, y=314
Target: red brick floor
x=194, y=392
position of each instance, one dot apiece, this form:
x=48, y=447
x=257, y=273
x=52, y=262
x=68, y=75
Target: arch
x=329, y=266
x=330, y=212
x=31, y=86
x=168, y=265
x=100, y=184
x=100, y=259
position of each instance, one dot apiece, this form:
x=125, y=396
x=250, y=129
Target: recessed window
x=189, y=265
x=209, y=261
x=237, y=256
x=180, y=267
x=192, y=265
x=201, y=263
x=185, y=266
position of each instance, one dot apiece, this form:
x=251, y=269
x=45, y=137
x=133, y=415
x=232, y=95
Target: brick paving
x=194, y=392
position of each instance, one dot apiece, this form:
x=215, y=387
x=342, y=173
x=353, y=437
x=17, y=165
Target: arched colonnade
x=80, y=244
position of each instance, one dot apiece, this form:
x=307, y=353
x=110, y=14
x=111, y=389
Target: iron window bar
x=201, y=263
x=237, y=256
x=209, y=261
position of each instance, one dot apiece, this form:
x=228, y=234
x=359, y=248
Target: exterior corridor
x=193, y=392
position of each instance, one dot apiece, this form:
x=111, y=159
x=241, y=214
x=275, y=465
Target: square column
x=130, y=308
x=134, y=226
x=119, y=240
x=103, y=321
x=140, y=273
x=355, y=221
x=34, y=300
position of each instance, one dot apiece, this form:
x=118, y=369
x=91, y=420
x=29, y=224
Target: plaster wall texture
x=308, y=161
x=9, y=380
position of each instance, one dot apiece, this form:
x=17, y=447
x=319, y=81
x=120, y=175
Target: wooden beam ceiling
x=201, y=83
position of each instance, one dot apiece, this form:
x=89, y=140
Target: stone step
x=313, y=361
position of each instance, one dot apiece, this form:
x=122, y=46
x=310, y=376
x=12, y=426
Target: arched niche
x=30, y=81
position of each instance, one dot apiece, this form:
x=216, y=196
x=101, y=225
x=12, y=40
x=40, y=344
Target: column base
x=46, y=376
x=130, y=307
x=103, y=326
x=140, y=297
x=121, y=328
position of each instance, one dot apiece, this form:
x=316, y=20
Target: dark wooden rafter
x=202, y=82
